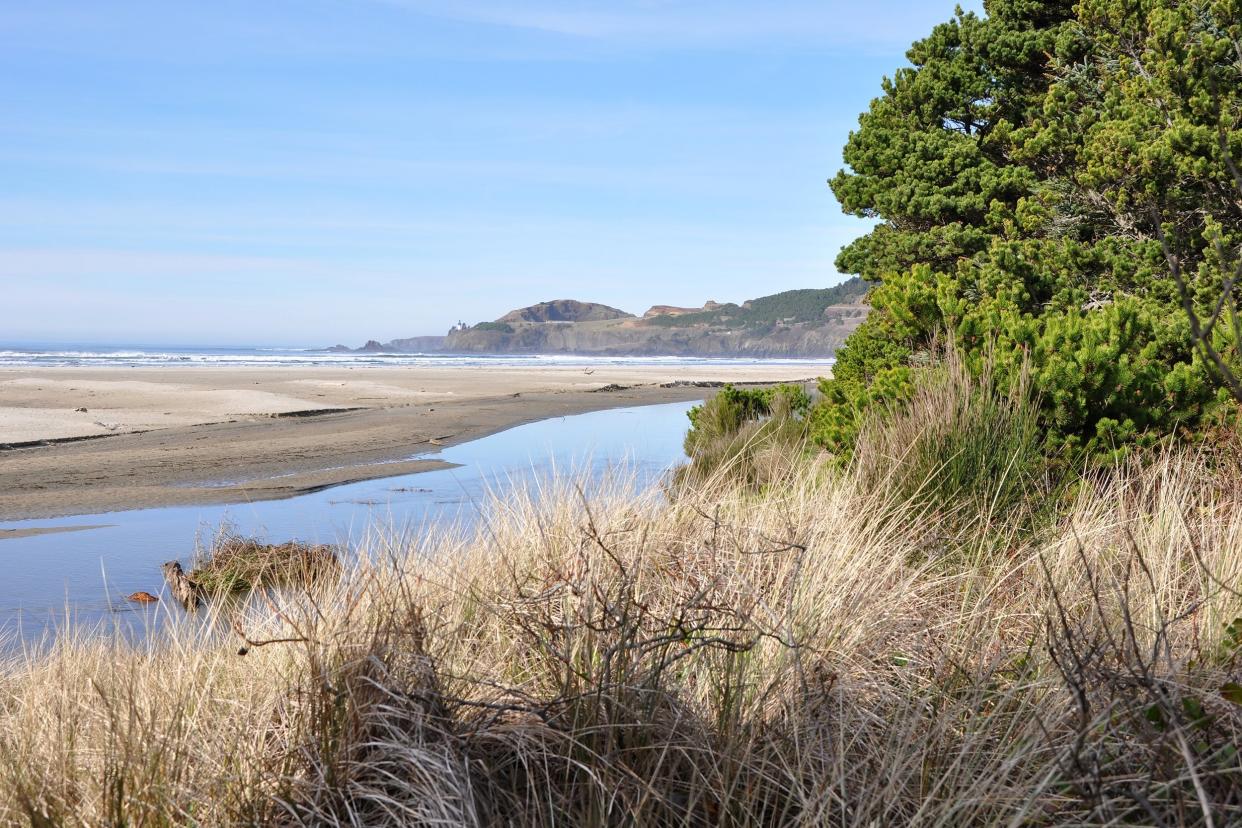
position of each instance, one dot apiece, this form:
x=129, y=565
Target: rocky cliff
x=418, y=344
x=617, y=340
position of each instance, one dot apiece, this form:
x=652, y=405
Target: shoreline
x=294, y=448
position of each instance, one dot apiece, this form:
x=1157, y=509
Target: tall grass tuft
x=960, y=439
x=745, y=436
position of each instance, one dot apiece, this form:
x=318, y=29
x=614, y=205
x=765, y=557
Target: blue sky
x=310, y=171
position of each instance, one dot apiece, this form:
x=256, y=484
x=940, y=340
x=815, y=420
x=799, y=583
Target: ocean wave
x=16, y=357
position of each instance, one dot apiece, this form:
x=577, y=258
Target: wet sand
x=32, y=531
x=172, y=436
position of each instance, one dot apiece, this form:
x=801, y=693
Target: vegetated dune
x=819, y=650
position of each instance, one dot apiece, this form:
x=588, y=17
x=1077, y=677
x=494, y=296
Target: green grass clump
x=746, y=434
x=958, y=439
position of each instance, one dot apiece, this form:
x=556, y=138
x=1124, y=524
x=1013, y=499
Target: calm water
x=91, y=571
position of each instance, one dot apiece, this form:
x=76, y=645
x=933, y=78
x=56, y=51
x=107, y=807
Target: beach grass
x=822, y=650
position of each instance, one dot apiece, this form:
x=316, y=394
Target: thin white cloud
x=701, y=22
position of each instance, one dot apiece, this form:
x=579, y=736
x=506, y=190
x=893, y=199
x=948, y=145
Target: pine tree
x=1025, y=167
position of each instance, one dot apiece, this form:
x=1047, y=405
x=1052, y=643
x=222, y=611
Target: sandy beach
x=98, y=439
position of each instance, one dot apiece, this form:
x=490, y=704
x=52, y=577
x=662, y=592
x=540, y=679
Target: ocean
x=138, y=356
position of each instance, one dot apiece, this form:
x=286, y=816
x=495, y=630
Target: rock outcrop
x=409, y=345
x=417, y=345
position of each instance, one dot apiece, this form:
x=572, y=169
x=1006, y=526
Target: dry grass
x=817, y=654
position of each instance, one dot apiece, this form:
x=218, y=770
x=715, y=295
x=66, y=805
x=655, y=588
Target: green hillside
x=791, y=306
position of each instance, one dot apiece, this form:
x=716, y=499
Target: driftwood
x=183, y=589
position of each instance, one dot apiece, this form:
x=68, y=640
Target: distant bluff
x=796, y=323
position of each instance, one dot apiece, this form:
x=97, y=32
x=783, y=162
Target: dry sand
x=167, y=436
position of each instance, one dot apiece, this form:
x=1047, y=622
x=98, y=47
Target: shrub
x=238, y=565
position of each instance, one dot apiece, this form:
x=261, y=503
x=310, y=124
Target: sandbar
x=184, y=435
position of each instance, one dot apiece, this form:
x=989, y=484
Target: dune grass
x=823, y=651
